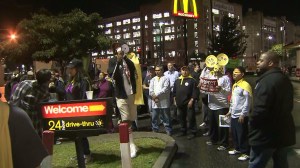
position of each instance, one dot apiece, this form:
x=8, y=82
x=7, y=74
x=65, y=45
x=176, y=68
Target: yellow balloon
x=211, y=61
x=222, y=59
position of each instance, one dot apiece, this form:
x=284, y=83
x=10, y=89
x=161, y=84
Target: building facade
x=159, y=37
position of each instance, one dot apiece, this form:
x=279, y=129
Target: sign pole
x=79, y=152
x=124, y=145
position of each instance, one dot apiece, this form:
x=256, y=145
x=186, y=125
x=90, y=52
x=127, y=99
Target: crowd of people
x=173, y=96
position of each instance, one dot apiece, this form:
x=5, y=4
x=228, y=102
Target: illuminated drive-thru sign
x=72, y=118
x=185, y=8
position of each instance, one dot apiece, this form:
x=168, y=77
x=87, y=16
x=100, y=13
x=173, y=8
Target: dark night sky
x=12, y=11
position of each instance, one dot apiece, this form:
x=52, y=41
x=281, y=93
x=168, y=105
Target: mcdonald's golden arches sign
x=185, y=8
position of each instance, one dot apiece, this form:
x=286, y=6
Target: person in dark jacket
x=185, y=95
x=123, y=73
x=76, y=89
x=271, y=124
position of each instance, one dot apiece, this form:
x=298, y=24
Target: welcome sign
x=77, y=116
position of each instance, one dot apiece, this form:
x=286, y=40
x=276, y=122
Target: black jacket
x=185, y=90
x=117, y=74
x=271, y=123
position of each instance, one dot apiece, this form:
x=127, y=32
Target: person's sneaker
x=221, y=148
x=210, y=143
x=243, y=157
x=57, y=142
x=192, y=136
x=181, y=134
x=233, y=152
x=88, y=158
x=202, y=125
x=133, y=150
x=206, y=134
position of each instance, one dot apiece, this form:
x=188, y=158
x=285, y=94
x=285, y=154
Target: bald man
x=271, y=124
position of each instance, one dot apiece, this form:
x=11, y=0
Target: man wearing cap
x=123, y=73
x=185, y=96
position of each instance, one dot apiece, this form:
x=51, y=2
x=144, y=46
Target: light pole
x=283, y=29
x=269, y=39
x=161, y=42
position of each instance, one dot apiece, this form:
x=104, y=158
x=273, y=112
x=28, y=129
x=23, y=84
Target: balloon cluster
x=217, y=63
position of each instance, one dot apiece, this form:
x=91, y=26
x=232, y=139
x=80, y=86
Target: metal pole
x=185, y=42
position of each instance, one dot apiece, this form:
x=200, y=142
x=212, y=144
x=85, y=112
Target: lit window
x=126, y=21
x=100, y=26
x=125, y=29
x=117, y=31
x=146, y=17
x=136, y=27
x=157, y=16
x=156, y=31
x=217, y=28
x=168, y=30
x=215, y=11
x=136, y=20
x=108, y=31
x=173, y=53
x=131, y=42
x=166, y=14
x=137, y=34
x=172, y=21
x=196, y=34
x=108, y=25
x=119, y=23
x=196, y=43
x=118, y=36
x=126, y=35
x=170, y=37
x=243, y=27
x=195, y=26
x=230, y=15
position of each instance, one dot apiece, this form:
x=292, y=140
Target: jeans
x=259, y=157
x=164, y=115
x=240, y=135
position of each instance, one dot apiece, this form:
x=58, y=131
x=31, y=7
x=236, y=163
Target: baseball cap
x=75, y=63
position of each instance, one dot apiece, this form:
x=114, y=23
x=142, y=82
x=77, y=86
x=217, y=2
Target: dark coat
x=115, y=69
x=185, y=90
x=271, y=122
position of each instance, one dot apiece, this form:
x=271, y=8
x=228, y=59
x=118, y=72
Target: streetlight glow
x=13, y=36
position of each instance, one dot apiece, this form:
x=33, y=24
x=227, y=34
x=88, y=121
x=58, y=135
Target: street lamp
x=269, y=39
